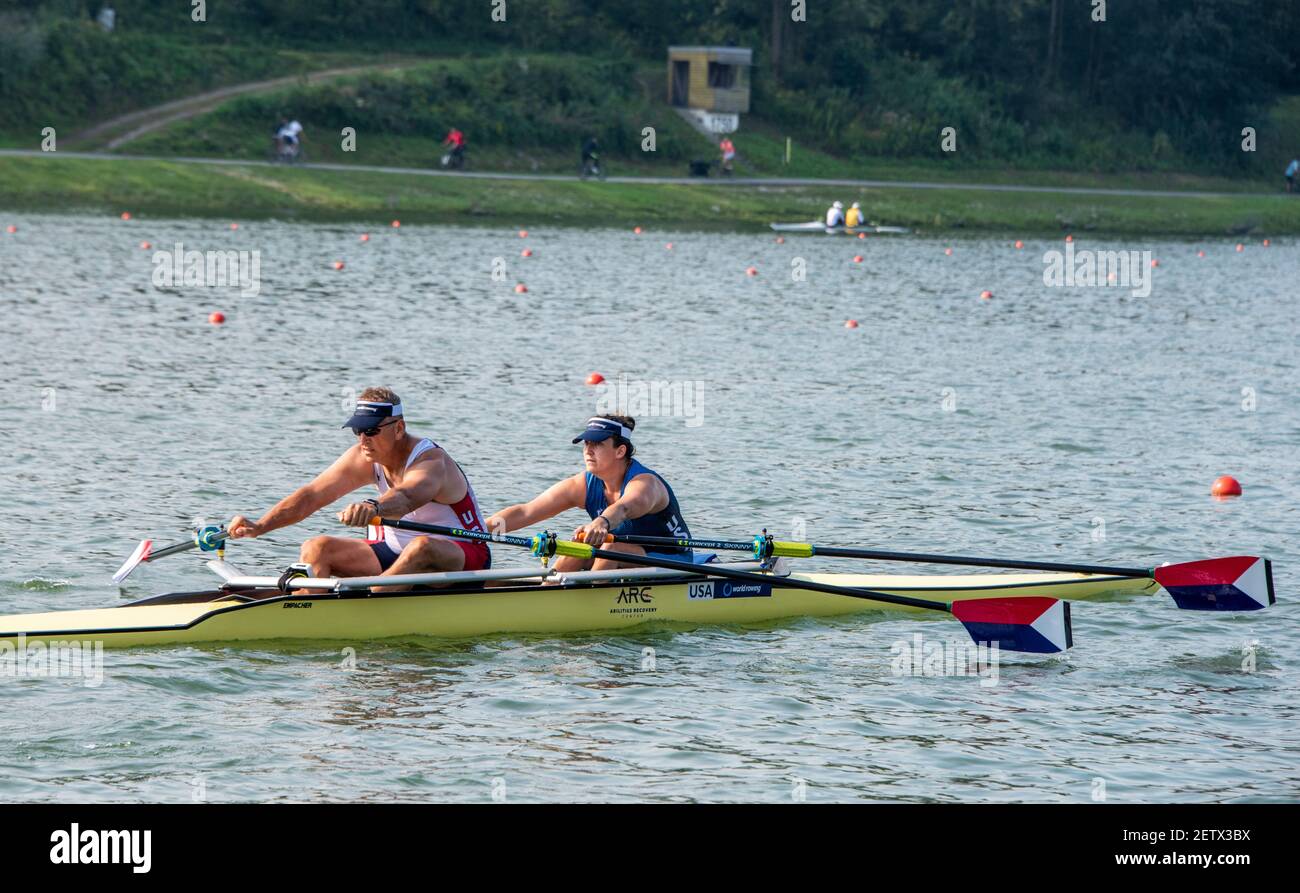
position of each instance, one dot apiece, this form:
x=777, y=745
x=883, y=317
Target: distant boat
x=816, y=226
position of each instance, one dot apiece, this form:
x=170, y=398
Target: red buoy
x=521, y=289
x=857, y=258
x=365, y=237
x=1225, y=486
x=851, y=324
x=396, y=224
x=338, y=265
x=1019, y=244
x=947, y=252
x=595, y=378
x=751, y=271
x=527, y=252
x=216, y=317
x=986, y=295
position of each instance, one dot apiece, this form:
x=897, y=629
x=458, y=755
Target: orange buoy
x=1200, y=254
x=527, y=252
x=637, y=230
x=986, y=295
x=751, y=271
x=780, y=240
x=1019, y=244
x=669, y=246
x=234, y=226
x=11, y=228
x=1069, y=238
x=145, y=246
x=862, y=235
x=338, y=265
x=521, y=289
x=595, y=378
x=216, y=317
x=1241, y=247
x=126, y=215
x=1225, y=486
x=1266, y=243
x=1155, y=262
x=851, y=324
x=365, y=237
x=857, y=258
x=947, y=252
x=523, y=234
x=396, y=224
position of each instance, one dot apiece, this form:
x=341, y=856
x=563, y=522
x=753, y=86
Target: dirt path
x=107, y=135
x=682, y=181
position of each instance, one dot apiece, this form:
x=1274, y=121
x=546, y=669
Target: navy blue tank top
x=667, y=521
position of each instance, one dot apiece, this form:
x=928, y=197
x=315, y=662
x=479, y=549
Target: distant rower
x=620, y=495
x=835, y=215
x=417, y=481
x=855, y=216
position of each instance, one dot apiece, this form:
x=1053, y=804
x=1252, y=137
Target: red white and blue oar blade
x=1240, y=583
x=1038, y=625
x=141, y=554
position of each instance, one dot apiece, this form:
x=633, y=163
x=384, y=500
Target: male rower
x=417, y=481
x=620, y=495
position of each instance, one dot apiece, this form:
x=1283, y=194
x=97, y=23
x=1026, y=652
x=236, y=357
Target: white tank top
x=464, y=514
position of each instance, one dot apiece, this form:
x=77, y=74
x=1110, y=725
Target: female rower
x=620, y=494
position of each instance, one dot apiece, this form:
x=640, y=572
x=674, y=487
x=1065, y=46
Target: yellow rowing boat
x=579, y=603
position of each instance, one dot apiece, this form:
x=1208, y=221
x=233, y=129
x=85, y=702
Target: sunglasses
x=372, y=431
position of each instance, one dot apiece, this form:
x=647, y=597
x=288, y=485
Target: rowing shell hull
x=459, y=613
x=816, y=226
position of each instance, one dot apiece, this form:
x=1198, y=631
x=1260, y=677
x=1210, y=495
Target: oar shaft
x=926, y=558
x=583, y=550
x=458, y=533
x=781, y=549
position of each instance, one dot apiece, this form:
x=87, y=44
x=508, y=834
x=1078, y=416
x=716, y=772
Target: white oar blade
x=140, y=554
x=1038, y=625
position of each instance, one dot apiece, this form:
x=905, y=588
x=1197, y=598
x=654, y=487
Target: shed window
x=722, y=76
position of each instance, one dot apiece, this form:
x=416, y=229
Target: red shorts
x=477, y=555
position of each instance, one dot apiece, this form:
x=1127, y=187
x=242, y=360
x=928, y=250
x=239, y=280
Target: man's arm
x=569, y=493
x=348, y=472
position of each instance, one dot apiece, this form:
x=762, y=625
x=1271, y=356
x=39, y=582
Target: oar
x=208, y=539
x=1239, y=583
x=1036, y=624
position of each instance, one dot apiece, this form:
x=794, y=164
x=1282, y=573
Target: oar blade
x=1037, y=625
x=140, y=555
x=1239, y=583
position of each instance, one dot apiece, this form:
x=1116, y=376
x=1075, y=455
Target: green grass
x=243, y=192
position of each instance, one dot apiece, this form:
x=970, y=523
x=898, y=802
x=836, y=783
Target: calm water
x=1067, y=423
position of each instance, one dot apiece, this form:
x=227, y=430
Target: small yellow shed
x=711, y=79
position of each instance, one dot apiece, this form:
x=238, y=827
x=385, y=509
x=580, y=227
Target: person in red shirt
x=728, y=154
x=456, y=157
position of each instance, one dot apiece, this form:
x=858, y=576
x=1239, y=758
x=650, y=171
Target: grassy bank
x=243, y=192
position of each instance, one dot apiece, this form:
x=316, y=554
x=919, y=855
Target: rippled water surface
x=1056, y=423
